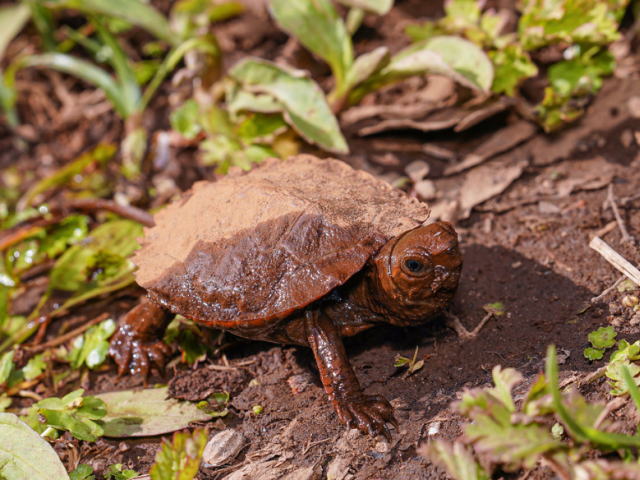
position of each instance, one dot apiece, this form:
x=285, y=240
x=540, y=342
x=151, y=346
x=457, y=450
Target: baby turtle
x=302, y=251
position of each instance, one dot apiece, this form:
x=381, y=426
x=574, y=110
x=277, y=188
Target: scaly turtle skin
x=302, y=251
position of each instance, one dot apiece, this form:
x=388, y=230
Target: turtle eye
x=414, y=266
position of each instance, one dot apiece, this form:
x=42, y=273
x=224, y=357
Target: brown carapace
x=301, y=251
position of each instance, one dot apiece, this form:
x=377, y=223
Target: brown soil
x=526, y=247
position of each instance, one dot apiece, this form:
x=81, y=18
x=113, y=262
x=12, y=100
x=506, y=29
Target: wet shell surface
x=252, y=248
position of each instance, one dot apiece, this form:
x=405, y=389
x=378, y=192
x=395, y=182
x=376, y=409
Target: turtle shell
x=253, y=248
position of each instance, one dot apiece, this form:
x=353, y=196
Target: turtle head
x=417, y=273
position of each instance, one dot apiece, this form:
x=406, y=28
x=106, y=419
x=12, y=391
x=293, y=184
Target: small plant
x=517, y=436
x=73, y=413
x=600, y=339
x=580, y=29
x=180, y=458
x=412, y=364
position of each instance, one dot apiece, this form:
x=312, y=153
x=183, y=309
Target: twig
x=609, y=408
x=608, y=290
x=615, y=259
x=95, y=204
x=616, y=213
x=68, y=336
x=455, y=324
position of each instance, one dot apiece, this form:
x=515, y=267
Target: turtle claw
x=137, y=354
x=368, y=413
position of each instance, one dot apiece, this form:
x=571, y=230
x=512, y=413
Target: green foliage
x=73, y=413
x=240, y=140
x=180, y=459
x=95, y=157
x=319, y=28
x=188, y=336
x=569, y=21
x=515, y=435
x=34, y=367
x=496, y=308
x=6, y=367
x=624, y=357
x=582, y=28
x=143, y=413
x=412, y=364
x=24, y=454
x=91, y=348
x=216, y=405
x=82, y=472
x=116, y=472
x=604, y=337
x=600, y=339
x=301, y=100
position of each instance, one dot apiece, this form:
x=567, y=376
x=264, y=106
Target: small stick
x=455, y=324
x=68, y=336
x=616, y=213
x=95, y=204
x=608, y=290
x=615, y=259
x=609, y=408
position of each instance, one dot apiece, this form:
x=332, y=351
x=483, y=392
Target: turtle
x=301, y=251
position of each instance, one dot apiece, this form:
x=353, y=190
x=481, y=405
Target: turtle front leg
x=137, y=344
x=368, y=413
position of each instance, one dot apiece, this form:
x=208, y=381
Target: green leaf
x=306, y=109
x=135, y=12
x=89, y=73
x=5, y=402
x=116, y=472
x=13, y=18
x=451, y=56
x=141, y=413
x=462, y=13
x=82, y=472
x=512, y=65
x=379, y=7
x=210, y=58
x=604, y=337
x=24, y=454
x=465, y=58
x=6, y=367
x=92, y=347
x=186, y=119
x=317, y=26
x=34, y=367
x=73, y=413
x=98, y=156
x=578, y=417
x=456, y=459
x=260, y=127
x=239, y=100
x=593, y=353
x=69, y=231
x=496, y=308
x=180, y=459
x=625, y=355
x=366, y=65
x=567, y=21
x=101, y=258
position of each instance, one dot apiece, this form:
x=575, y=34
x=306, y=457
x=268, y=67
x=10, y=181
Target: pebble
x=299, y=383
x=417, y=170
x=626, y=138
x=223, y=447
x=634, y=106
x=425, y=189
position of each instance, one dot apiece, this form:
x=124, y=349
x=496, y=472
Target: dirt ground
x=526, y=246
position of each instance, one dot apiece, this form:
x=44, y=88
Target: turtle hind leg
x=367, y=413
x=137, y=344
